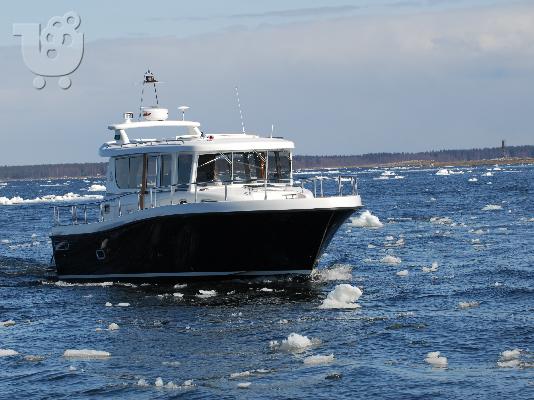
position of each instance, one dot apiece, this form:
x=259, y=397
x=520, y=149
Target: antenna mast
x=240, y=113
x=148, y=79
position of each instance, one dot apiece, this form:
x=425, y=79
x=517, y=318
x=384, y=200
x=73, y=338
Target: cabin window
x=279, y=166
x=214, y=168
x=184, y=170
x=129, y=172
x=122, y=171
x=152, y=172
x=135, y=177
x=248, y=166
x=166, y=170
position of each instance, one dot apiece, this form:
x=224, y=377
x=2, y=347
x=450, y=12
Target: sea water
x=433, y=289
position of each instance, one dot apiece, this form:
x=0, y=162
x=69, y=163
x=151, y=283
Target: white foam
x=50, y=198
x=172, y=363
x=433, y=268
x=343, y=296
x=337, y=272
x=122, y=305
x=113, y=326
x=436, y=360
x=8, y=353
x=317, y=360
x=468, y=304
x=391, y=260
x=243, y=385
x=204, y=294
x=491, y=207
x=85, y=353
x=7, y=323
x=366, y=220
x=404, y=272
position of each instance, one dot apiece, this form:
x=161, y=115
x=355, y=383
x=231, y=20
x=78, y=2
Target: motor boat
x=181, y=203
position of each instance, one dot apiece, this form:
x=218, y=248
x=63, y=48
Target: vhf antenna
x=240, y=112
x=148, y=79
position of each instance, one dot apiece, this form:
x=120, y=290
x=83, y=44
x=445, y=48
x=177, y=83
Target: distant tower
x=503, y=149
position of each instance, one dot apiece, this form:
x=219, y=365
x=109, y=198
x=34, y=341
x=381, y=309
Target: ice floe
x=443, y=172
x=342, y=296
x=294, y=343
x=441, y=220
x=204, y=294
x=7, y=323
x=436, y=360
x=50, y=198
x=8, y=352
x=265, y=289
x=108, y=304
x=468, y=304
x=243, y=385
x=180, y=285
x=492, y=207
x=510, y=358
x=178, y=295
x=85, y=353
x=317, y=360
x=142, y=382
x=113, y=326
x=391, y=260
x=122, y=305
x=404, y=272
x=96, y=188
x=366, y=220
x=337, y=272
x=433, y=268
x=472, y=180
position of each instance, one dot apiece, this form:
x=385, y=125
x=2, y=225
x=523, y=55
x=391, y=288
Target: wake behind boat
x=198, y=205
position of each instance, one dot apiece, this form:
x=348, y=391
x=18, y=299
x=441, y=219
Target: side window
x=223, y=167
x=152, y=172
x=136, y=172
x=279, y=166
x=165, y=170
x=184, y=170
x=122, y=168
x=206, y=168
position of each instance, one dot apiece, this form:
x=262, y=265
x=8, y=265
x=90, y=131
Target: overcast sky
x=337, y=77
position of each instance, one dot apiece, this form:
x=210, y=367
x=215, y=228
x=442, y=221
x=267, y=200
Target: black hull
x=201, y=245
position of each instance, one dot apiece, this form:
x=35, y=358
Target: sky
x=336, y=77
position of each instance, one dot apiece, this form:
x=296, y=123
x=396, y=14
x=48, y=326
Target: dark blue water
x=484, y=257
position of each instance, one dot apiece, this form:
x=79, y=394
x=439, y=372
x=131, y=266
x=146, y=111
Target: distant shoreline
x=400, y=164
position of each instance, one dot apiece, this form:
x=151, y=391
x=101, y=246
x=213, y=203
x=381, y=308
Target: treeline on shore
x=80, y=170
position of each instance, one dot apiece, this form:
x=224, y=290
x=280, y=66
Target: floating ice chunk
x=123, y=304
x=472, y=180
x=317, y=360
x=509, y=364
x=468, y=304
x=399, y=177
x=108, y=304
x=180, y=285
x=7, y=323
x=113, y=327
x=188, y=383
x=433, y=268
x=96, y=188
x=266, y=289
x=5, y=241
x=387, y=173
x=243, y=385
x=158, y=382
x=69, y=197
x=72, y=368
x=32, y=358
x=283, y=321
x=366, y=220
x=294, y=343
x=390, y=238
x=337, y=272
x=488, y=174
x=404, y=272
x=391, y=260
x=436, y=360
x=204, y=294
x=178, y=295
x=8, y=353
x=497, y=284
x=491, y=207
x=142, y=382
x=508, y=355
x=443, y=172
x=441, y=220
x=371, y=246
x=240, y=374
x=343, y=296
x=171, y=385
x=85, y=353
